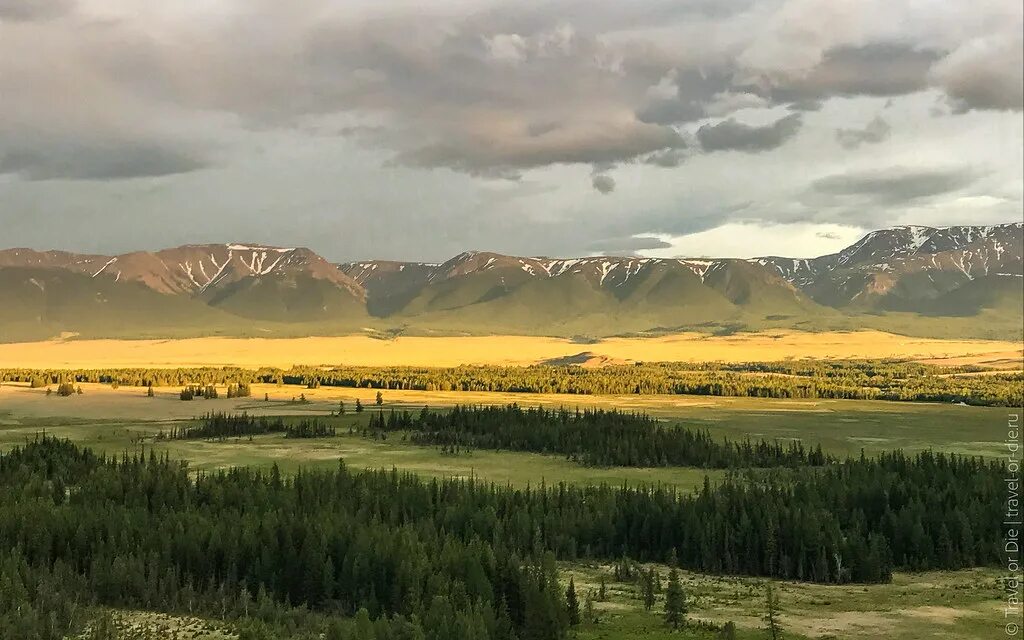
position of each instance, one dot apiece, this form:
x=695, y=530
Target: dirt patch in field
x=1011, y=359
x=840, y=624
x=585, y=360
x=940, y=615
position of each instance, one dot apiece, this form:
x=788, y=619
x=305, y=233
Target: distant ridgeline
x=139, y=531
x=859, y=380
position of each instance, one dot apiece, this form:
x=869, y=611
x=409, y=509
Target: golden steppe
x=361, y=350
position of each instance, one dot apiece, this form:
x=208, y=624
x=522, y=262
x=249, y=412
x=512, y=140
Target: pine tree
x=675, y=601
x=589, y=615
x=359, y=406
x=602, y=593
x=771, y=613
x=149, y=391
x=103, y=628
x=364, y=627
x=503, y=627
x=380, y=398
x=572, y=603
x=336, y=631
x=341, y=407
x=650, y=582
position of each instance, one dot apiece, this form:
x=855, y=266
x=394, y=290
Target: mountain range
x=945, y=282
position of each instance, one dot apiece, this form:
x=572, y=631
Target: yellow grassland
x=359, y=350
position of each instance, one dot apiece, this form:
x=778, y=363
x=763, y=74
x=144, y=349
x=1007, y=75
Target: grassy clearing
x=928, y=606
x=122, y=419
x=113, y=435
x=961, y=604
x=841, y=426
x=362, y=350
x=149, y=625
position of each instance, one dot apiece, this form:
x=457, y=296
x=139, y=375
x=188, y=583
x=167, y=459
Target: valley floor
x=362, y=350
x=948, y=604
x=111, y=418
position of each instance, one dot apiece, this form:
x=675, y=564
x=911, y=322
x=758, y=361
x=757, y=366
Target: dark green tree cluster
x=142, y=532
x=40, y=601
x=208, y=392
x=222, y=426
x=309, y=429
x=594, y=437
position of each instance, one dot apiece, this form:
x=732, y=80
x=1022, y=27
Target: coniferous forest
x=448, y=559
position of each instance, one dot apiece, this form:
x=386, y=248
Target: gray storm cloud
x=603, y=183
x=395, y=115
x=985, y=73
x=32, y=10
x=873, y=132
x=895, y=185
x=105, y=161
x=731, y=135
x=628, y=244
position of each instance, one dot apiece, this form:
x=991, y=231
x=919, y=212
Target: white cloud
x=749, y=240
x=507, y=47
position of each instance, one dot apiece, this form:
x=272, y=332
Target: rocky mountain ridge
x=926, y=272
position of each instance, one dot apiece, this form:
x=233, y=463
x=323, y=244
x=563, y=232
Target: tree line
x=849, y=379
x=222, y=426
x=595, y=437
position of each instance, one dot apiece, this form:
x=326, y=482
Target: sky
x=409, y=130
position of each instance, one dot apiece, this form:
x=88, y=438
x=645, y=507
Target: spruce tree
x=380, y=398
x=589, y=615
x=675, y=598
x=650, y=579
x=771, y=613
x=503, y=627
x=364, y=627
x=572, y=603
